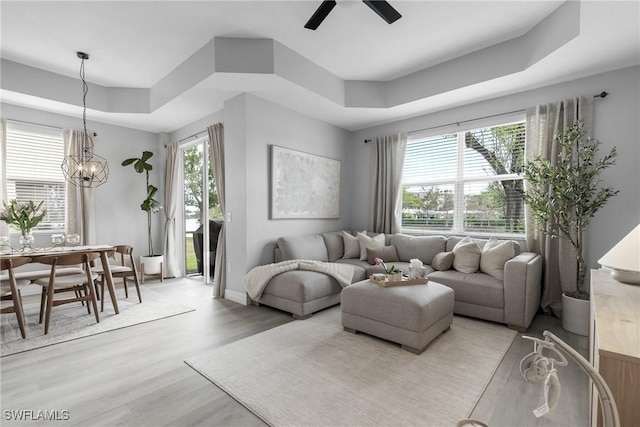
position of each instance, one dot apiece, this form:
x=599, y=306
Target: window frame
x=459, y=181
x=39, y=183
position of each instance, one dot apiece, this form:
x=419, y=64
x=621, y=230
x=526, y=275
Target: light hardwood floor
x=136, y=376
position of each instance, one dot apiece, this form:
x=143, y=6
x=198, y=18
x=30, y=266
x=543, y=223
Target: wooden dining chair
x=126, y=268
x=81, y=285
x=10, y=289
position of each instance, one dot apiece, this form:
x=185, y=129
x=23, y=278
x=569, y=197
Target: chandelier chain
x=87, y=142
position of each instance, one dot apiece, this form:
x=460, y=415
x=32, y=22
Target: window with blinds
x=34, y=154
x=468, y=181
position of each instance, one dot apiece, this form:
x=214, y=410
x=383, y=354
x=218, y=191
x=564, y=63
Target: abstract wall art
x=304, y=185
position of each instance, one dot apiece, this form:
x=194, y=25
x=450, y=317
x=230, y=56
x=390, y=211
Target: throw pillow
x=309, y=246
x=495, y=254
x=335, y=245
x=369, y=242
x=442, y=261
x=466, y=256
x=386, y=253
x=351, y=246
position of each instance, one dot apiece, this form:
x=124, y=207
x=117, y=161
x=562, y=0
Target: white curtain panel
x=80, y=200
x=560, y=268
x=171, y=185
x=216, y=148
x=387, y=165
x=4, y=228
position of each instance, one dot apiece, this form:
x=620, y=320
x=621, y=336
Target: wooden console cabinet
x=614, y=345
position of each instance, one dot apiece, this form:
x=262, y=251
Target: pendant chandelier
x=85, y=169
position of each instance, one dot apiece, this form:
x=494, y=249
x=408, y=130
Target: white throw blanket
x=257, y=278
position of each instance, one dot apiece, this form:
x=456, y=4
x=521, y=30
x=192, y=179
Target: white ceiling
x=136, y=44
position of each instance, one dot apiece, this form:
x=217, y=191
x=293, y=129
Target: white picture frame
x=303, y=185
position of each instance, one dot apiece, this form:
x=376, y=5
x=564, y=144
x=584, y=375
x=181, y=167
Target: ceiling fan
x=382, y=8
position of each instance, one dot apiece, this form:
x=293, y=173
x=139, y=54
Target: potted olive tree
x=563, y=197
x=152, y=263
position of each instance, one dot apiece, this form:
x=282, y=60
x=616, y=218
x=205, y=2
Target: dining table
x=103, y=250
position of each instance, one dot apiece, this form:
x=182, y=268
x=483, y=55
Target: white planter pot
x=152, y=266
x=575, y=315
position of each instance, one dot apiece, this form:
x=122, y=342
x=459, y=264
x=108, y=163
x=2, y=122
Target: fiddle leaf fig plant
x=149, y=204
x=565, y=195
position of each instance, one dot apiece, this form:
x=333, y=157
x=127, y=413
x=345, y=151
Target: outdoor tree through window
x=468, y=181
x=193, y=184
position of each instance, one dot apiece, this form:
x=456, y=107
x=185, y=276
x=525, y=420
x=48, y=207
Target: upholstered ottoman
x=412, y=316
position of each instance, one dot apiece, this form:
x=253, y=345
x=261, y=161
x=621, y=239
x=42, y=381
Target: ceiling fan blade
x=320, y=14
x=384, y=10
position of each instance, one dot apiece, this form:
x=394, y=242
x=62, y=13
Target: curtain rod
x=194, y=136
x=41, y=125
x=32, y=123
x=467, y=121
x=602, y=94
x=366, y=141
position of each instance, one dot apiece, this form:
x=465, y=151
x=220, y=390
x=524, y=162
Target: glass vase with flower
x=24, y=216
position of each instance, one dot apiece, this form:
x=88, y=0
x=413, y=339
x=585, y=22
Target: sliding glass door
x=202, y=215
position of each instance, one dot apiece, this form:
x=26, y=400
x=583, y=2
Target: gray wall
x=616, y=123
x=252, y=125
x=119, y=219
x=196, y=127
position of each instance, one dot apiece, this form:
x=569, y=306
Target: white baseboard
x=235, y=296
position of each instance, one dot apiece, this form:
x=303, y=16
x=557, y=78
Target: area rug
x=71, y=321
x=312, y=373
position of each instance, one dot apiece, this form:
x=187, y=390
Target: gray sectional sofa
x=509, y=293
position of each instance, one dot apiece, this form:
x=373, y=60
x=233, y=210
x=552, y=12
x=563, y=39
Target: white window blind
x=34, y=154
x=468, y=181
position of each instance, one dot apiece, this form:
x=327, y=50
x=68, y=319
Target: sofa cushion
x=386, y=236
x=477, y=288
x=453, y=240
x=335, y=245
x=351, y=245
x=302, y=285
x=359, y=270
x=400, y=265
x=309, y=246
x=495, y=254
x=385, y=253
x=369, y=242
x=442, y=261
x=422, y=247
x=466, y=256
x=365, y=269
